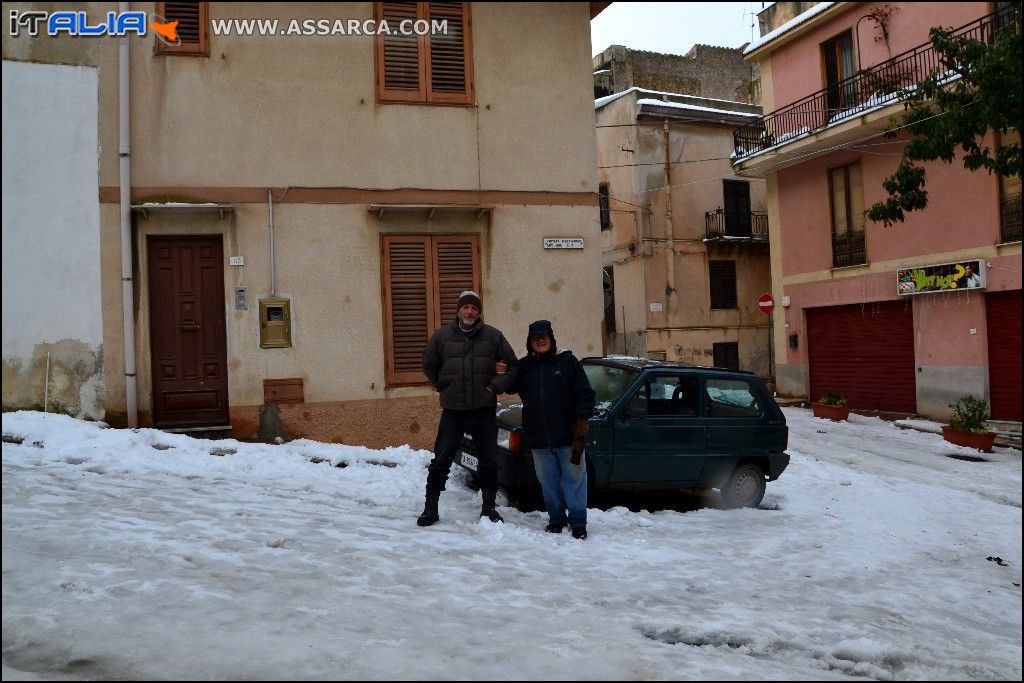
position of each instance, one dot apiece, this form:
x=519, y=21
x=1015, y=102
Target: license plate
x=469, y=461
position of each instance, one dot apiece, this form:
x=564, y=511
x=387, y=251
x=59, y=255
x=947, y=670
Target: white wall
x=51, y=220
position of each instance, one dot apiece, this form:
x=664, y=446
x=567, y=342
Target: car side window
x=673, y=396
x=730, y=398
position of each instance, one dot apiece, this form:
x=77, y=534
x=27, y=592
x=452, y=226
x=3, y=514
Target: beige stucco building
x=685, y=245
x=327, y=230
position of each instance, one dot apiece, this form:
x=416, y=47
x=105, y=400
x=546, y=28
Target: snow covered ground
x=139, y=554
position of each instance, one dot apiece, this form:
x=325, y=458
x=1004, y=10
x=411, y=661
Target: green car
x=661, y=426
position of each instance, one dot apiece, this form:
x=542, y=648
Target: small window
x=727, y=355
x=606, y=212
x=193, y=19
x=723, y=284
x=731, y=398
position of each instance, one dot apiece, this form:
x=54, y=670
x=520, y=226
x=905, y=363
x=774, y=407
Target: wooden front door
x=187, y=331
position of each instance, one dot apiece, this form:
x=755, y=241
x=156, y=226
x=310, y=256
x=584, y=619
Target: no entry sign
x=766, y=303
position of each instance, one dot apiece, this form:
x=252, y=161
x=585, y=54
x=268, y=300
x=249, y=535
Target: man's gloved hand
x=579, y=439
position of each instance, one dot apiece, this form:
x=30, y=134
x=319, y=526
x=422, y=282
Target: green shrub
x=832, y=399
x=969, y=414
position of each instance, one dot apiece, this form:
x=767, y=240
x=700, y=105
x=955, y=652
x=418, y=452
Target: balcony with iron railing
x=750, y=227
x=849, y=249
x=867, y=90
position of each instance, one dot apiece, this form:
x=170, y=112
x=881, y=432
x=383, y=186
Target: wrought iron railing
x=869, y=88
x=848, y=249
x=1009, y=218
x=720, y=225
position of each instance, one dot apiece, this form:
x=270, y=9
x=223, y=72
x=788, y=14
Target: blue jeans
x=564, y=485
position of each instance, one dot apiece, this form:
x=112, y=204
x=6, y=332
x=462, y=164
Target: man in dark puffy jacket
x=460, y=361
x=557, y=404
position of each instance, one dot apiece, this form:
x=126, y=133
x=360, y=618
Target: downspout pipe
x=273, y=270
x=670, y=233
x=125, y=200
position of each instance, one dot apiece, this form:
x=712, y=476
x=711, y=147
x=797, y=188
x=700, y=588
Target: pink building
x=900, y=319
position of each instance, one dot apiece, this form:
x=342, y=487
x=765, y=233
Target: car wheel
x=746, y=486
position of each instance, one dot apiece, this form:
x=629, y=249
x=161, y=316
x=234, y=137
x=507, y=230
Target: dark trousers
x=479, y=423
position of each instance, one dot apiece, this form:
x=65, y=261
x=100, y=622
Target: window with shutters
x=606, y=213
x=193, y=19
x=736, y=194
x=423, y=276
x=847, y=200
x=429, y=69
x=727, y=355
x=723, y=283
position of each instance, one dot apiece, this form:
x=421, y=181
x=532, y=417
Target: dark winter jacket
x=460, y=365
x=555, y=391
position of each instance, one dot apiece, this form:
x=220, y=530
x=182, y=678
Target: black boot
x=429, y=515
x=487, y=510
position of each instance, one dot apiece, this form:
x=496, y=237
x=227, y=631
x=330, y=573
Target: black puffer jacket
x=461, y=365
x=555, y=391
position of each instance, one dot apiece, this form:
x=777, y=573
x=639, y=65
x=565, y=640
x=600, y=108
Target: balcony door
x=737, y=207
x=839, y=66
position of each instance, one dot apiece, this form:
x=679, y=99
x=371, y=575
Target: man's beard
x=468, y=321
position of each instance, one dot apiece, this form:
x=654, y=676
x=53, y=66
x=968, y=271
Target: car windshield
x=608, y=383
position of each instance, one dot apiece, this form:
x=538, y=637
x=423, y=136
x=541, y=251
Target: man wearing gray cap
x=460, y=361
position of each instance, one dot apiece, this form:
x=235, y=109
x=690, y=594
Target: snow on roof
x=679, y=105
x=601, y=101
x=788, y=26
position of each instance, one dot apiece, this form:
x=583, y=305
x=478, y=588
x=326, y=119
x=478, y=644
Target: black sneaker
x=492, y=515
x=554, y=528
x=580, y=533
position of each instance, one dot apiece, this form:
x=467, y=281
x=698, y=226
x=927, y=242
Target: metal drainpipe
x=273, y=277
x=670, y=289
x=125, y=201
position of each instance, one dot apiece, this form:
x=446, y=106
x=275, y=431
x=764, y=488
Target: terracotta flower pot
x=981, y=440
x=836, y=413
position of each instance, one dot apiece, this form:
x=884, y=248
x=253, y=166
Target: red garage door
x=1003, y=313
x=865, y=351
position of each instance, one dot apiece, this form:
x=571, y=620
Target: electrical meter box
x=275, y=323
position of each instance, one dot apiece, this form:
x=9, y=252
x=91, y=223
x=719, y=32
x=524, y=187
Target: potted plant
x=832, y=406
x=967, y=425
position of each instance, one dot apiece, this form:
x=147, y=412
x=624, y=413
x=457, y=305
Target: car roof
x=640, y=364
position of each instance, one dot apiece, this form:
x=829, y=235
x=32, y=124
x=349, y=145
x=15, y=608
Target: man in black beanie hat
x=460, y=361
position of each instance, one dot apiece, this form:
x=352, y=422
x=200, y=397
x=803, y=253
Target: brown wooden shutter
x=423, y=276
x=449, y=56
x=401, y=63
x=456, y=267
x=408, y=323
x=193, y=19
x=425, y=69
